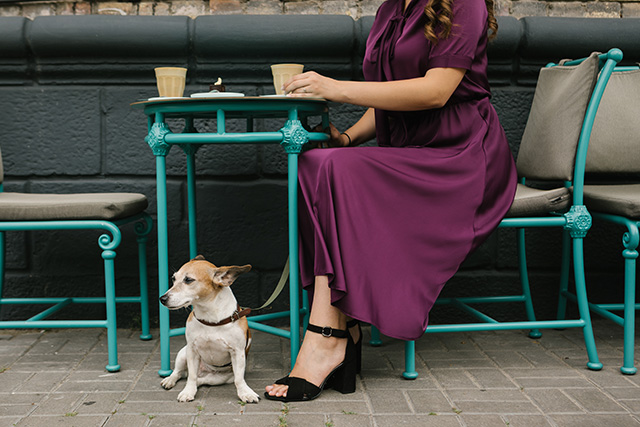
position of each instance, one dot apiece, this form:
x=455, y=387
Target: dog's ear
x=225, y=276
x=199, y=258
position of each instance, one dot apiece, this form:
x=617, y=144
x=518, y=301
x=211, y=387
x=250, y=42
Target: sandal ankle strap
x=327, y=331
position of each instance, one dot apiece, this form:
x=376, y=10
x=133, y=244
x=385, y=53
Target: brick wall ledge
x=123, y=49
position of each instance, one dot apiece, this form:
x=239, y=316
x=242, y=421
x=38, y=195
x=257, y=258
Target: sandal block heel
x=344, y=378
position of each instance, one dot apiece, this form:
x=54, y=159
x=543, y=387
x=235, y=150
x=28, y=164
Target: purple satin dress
x=390, y=225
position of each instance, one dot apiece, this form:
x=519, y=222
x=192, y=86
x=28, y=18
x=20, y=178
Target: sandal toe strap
x=301, y=389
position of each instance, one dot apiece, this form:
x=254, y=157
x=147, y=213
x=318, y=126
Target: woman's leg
x=318, y=355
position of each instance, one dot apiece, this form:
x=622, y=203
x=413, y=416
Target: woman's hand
x=336, y=139
x=311, y=84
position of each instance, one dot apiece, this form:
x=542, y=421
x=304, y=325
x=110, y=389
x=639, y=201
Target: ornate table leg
x=160, y=149
x=190, y=150
x=294, y=138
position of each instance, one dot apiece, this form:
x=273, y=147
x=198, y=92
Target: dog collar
x=239, y=313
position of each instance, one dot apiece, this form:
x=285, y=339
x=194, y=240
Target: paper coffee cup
x=170, y=81
x=282, y=73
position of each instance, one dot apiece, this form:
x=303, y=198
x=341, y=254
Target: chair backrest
x=615, y=138
x=550, y=140
x=1, y=170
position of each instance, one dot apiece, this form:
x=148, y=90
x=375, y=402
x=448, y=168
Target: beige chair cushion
x=533, y=202
x=613, y=199
x=548, y=146
x=51, y=207
x=615, y=139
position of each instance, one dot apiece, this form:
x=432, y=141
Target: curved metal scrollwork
x=143, y=226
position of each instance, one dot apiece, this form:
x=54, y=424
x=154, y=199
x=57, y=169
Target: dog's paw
x=248, y=396
x=168, y=383
x=186, y=396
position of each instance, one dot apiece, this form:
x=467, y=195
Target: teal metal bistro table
x=292, y=137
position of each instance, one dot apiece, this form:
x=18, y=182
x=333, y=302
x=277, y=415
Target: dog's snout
x=164, y=298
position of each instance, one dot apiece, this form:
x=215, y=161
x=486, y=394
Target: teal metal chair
x=553, y=149
x=614, y=150
x=104, y=212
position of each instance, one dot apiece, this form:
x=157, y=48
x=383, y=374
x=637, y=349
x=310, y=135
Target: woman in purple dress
x=382, y=229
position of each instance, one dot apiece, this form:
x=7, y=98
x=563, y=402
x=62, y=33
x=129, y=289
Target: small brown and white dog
x=217, y=333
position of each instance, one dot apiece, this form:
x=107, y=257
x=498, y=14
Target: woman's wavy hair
x=439, y=15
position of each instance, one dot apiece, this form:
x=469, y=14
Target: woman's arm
x=431, y=91
x=361, y=132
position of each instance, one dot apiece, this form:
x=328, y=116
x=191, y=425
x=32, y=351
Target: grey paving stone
x=592, y=420
x=492, y=378
x=594, y=400
x=417, y=420
x=65, y=421
x=429, y=401
x=126, y=420
x=389, y=401
x=553, y=401
x=525, y=421
x=454, y=378
x=41, y=381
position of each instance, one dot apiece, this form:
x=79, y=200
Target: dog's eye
x=189, y=280
x=173, y=278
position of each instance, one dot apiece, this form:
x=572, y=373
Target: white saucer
x=165, y=98
x=217, y=95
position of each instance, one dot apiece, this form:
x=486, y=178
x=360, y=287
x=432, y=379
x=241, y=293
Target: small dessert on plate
x=217, y=86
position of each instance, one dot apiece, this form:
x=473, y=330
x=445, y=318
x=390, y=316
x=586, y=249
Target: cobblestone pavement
x=57, y=378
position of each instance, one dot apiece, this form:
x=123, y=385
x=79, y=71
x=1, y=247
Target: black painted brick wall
x=66, y=83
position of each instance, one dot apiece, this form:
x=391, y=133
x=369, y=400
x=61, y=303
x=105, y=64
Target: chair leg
x=375, y=337
x=2, y=255
x=110, y=294
x=583, y=304
x=564, y=275
x=142, y=229
x=410, y=372
x=630, y=255
x=524, y=281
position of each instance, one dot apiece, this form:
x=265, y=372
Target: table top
x=254, y=106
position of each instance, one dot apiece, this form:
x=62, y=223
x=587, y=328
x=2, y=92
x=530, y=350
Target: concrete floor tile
x=349, y=420
x=594, y=400
x=120, y=420
x=593, y=420
x=41, y=381
x=454, y=378
x=389, y=401
x=417, y=420
x=63, y=421
x=59, y=404
x=482, y=420
x=553, y=401
x=497, y=407
x=525, y=421
x=429, y=401
x=492, y=378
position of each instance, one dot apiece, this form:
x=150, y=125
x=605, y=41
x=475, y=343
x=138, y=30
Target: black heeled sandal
x=358, y=344
x=342, y=378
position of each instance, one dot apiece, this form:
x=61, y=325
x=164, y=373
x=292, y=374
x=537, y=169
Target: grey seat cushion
x=616, y=129
x=548, y=146
x=533, y=202
x=613, y=199
x=52, y=207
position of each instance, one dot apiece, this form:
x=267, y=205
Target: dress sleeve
x=469, y=27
